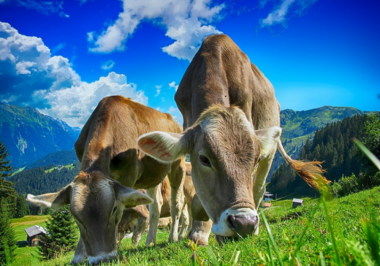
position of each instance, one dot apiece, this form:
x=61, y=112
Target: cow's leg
x=154, y=214
x=200, y=231
x=260, y=179
x=176, y=178
x=185, y=222
x=142, y=224
x=80, y=253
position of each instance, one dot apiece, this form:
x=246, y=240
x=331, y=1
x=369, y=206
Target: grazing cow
x=136, y=219
x=232, y=120
x=111, y=162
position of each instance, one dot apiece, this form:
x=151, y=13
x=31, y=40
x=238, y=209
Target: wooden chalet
x=297, y=202
x=34, y=233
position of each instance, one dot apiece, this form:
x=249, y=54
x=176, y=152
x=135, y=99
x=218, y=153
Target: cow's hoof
x=199, y=240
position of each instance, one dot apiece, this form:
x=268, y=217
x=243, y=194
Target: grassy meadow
x=26, y=255
x=342, y=231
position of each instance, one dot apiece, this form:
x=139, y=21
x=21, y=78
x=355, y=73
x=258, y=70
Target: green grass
x=69, y=167
x=18, y=171
x=342, y=231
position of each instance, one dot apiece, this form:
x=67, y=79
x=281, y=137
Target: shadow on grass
x=22, y=244
x=131, y=251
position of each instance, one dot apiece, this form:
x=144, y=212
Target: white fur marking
x=102, y=257
x=268, y=139
x=79, y=258
x=36, y=201
x=222, y=229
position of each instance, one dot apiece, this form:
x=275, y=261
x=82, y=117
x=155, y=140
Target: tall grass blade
x=338, y=262
x=270, y=253
x=323, y=263
x=308, y=222
x=367, y=152
x=271, y=238
x=372, y=238
x=233, y=254
x=236, y=257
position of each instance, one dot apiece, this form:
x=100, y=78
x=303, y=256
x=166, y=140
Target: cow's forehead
x=98, y=192
x=229, y=124
x=217, y=117
x=230, y=136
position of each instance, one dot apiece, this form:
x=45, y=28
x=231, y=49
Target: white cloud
x=108, y=65
x=27, y=64
x=22, y=67
x=158, y=90
x=60, y=46
x=186, y=22
x=286, y=9
x=31, y=76
x=74, y=105
x=173, y=85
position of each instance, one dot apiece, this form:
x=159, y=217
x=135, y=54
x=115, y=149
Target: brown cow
x=111, y=162
x=136, y=219
x=232, y=119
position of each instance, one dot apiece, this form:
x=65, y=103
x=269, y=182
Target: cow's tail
x=311, y=172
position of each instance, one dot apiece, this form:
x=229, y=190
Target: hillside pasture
x=342, y=231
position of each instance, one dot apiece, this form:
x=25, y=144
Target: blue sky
x=62, y=57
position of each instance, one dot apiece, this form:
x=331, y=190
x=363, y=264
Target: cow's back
x=220, y=73
x=108, y=140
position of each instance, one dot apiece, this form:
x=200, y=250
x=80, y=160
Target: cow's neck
x=96, y=161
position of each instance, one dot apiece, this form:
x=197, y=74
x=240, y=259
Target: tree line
x=341, y=158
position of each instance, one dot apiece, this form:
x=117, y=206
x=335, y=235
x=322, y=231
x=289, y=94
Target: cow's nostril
x=230, y=222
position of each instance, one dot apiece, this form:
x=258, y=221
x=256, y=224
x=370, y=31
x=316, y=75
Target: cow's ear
x=268, y=139
x=131, y=197
x=197, y=211
x=162, y=146
x=52, y=200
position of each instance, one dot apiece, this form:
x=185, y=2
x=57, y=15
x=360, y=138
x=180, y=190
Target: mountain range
x=35, y=140
x=297, y=126
x=30, y=135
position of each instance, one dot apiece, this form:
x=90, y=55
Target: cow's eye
x=204, y=160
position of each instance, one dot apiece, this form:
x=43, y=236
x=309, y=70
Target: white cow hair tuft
x=269, y=140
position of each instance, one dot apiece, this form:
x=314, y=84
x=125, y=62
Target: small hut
x=268, y=196
x=297, y=202
x=34, y=233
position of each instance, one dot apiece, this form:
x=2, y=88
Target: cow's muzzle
x=241, y=224
x=236, y=223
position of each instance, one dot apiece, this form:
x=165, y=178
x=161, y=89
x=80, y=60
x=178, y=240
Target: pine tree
x=22, y=207
x=7, y=236
x=8, y=195
x=62, y=236
x=5, y=168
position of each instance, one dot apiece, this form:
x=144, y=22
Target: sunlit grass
x=342, y=231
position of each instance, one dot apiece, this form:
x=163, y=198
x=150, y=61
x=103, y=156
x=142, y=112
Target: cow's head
x=97, y=204
x=224, y=151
